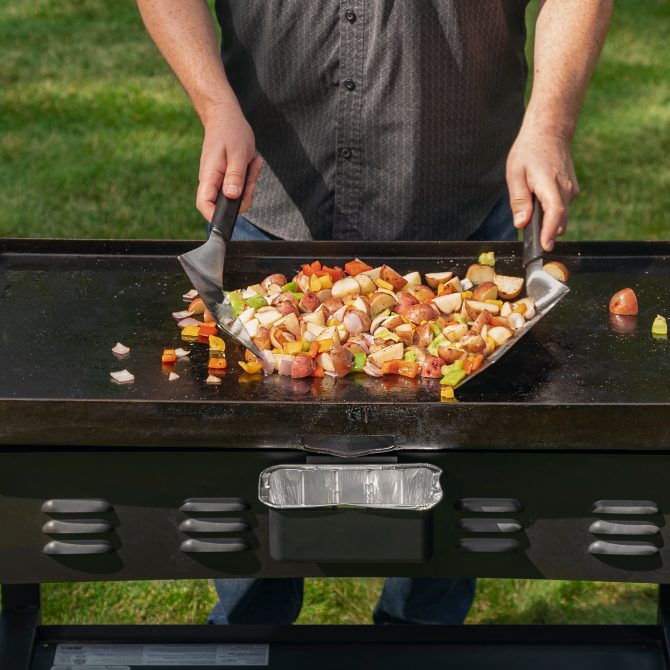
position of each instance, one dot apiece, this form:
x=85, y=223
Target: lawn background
x=98, y=140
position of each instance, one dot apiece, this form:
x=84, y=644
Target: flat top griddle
x=94, y=293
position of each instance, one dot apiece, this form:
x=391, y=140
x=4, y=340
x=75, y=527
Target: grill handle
x=532, y=249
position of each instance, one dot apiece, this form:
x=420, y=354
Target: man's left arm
x=568, y=37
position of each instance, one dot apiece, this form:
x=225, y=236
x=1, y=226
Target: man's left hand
x=540, y=162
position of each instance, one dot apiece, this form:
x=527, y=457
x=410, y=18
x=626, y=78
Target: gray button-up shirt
x=377, y=119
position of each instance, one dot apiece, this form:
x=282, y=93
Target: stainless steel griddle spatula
x=541, y=288
x=204, y=267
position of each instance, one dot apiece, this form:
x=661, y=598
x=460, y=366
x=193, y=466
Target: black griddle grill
x=566, y=440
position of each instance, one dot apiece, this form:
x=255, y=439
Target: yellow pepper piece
x=520, y=307
x=495, y=302
x=491, y=343
x=447, y=394
x=293, y=348
x=325, y=282
x=384, y=284
x=326, y=345
x=333, y=322
x=190, y=331
x=216, y=343
x=314, y=284
x=251, y=368
x=466, y=295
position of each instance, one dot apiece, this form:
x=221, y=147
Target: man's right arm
x=184, y=32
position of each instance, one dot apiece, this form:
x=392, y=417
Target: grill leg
x=18, y=624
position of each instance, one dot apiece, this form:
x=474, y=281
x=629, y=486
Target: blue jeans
x=424, y=600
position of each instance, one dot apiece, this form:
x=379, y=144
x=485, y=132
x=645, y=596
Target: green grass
x=98, y=140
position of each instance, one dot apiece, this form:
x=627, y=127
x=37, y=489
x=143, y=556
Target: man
x=381, y=119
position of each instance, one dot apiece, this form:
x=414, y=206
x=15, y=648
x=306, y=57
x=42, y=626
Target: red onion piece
x=190, y=321
x=372, y=370
x=286, y=366
x=268, y=360
x=353, y=323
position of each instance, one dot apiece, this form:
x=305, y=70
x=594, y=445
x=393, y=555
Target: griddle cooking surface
x=63, y=313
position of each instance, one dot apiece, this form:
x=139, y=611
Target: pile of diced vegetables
x=334, y=321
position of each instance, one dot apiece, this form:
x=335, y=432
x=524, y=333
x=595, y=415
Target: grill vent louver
x=78, y=527
x=620, y=533
x=211, y=529
x=489, y=525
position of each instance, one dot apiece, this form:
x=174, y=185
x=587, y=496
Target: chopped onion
x=372, y=370
x=353, y=323
x=180, y=353
x=466, y=284
x=286, y=366
x=190, y=295
x=339, y=314
x=122, y=377
x=181, y=315
x=172, y=376
x=120, y=349
x=189, y=321
x=268, y=360
x=330, y=373
x=212, y=379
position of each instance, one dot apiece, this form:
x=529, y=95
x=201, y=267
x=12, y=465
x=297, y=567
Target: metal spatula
x=541, y=288
x=204, y=267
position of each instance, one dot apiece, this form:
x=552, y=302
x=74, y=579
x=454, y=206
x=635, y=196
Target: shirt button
x=345, y=153
x=349, y=84
x=350, y=15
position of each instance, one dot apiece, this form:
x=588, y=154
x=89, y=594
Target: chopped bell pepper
x=409, y=357
x=356, y=266
x=487, y=258
x=251, y=368
x=494, y=302
x=314, y=283
x=257, y=301
x=325, y=345
x=456, y=365
x=292, y=348
x=435, y=344
x=190, y=332
x=460, y=318
x=435, y=327
x=291, y=286
x=477, y=362
x=384, y=284
x=359, y=361
x=452, y=378
x=313, y=349
x=335, y=274
x=207, y=329
x=660, y=327
x=403, y=368
x=218, y=363
x=236, y=302
x=325, y=282
x=467, y=364
x=299, y=295
x=466, y=295
x=216, y=343
x=447, y=394
x=318, y=371
x=169, y=356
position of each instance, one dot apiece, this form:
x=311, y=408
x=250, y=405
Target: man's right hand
x=228, y=154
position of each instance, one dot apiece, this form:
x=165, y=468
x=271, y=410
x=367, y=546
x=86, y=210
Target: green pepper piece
x=435, y=344
x=660, y=327
x=291, y=286
x=461, y=318
x=452, y=378
x=409, y=357
x=487, y=258
x=237, y=302
x=435, y=327
x=257, y=301
x=359, y=361
x=456, y=365
x=299, y=295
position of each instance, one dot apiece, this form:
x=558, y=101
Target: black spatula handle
x=532, y=249
x=225, y=215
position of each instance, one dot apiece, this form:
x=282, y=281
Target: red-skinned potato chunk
x=309, y=302
x=278, y=279
x=473, y=343
x=432, y=367
x=449, y=355
x=624, y=303
x=303, y=366
x=482, y=319
x=287, y=307
x=423, y=335
x=343, y=360
x=405, y=301
x=389, y=275
x=262, y=339
x=486, y=291
x=420, y=313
